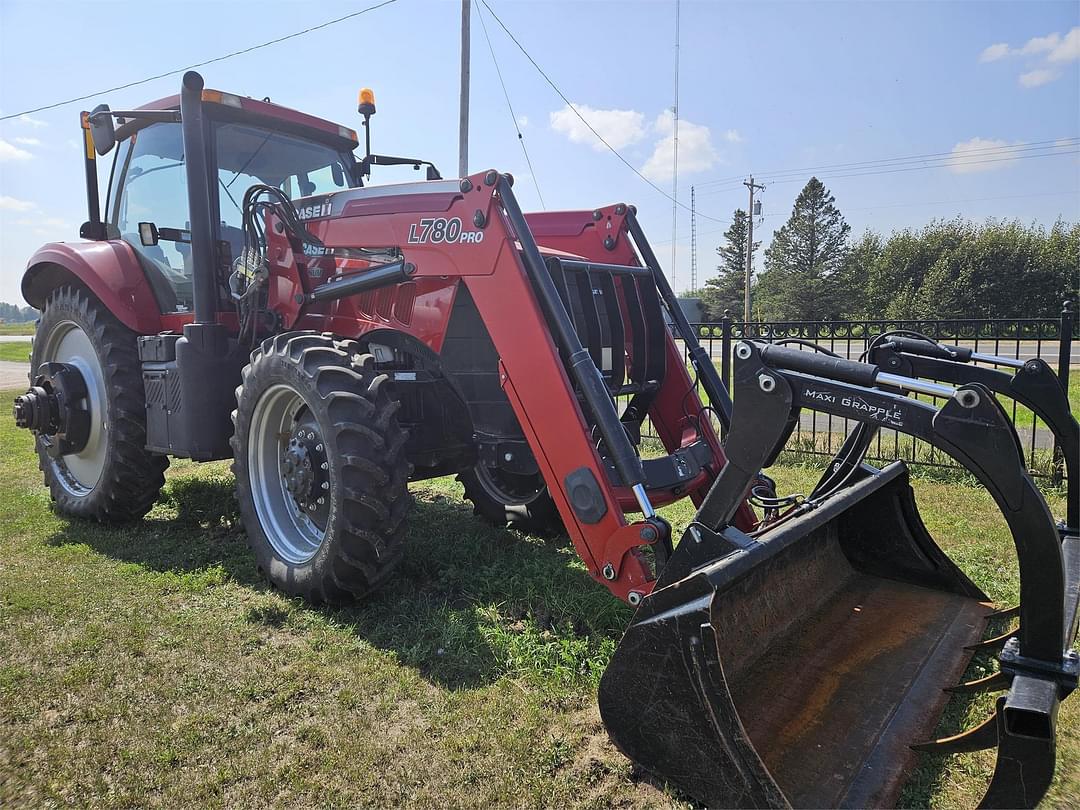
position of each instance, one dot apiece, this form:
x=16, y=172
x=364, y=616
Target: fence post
x=725, y=349
x=1064, y=360
x=1065, y=345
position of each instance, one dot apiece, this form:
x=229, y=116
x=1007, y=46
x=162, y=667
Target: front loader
x=247, y=294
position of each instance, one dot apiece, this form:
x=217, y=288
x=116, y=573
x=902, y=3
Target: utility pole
x=463, y=123
x=675, y=162
x=750, y=184
x=693, y=240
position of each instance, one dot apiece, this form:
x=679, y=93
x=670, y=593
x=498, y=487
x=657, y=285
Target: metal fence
x=1053, y=339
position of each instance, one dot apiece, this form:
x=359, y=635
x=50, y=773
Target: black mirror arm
x=390, y=160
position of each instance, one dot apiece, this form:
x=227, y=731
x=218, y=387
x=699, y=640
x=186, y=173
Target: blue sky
x=764, y=87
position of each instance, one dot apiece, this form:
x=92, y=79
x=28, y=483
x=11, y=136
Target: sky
x=782, y=90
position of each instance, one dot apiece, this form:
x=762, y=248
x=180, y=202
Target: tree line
x=12, y=313
x=954, y=268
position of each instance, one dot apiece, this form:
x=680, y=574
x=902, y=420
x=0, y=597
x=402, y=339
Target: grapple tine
x=1004, y=613
x=991, y=683
x=983, y=736
x=995, y=643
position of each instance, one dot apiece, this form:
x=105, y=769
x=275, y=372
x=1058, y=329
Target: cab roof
x=264, y=109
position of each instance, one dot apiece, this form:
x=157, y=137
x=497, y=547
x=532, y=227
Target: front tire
x=506, y=499
x=320, y=467
x=113, y=478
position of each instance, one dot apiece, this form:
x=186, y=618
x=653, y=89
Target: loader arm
x=577, y=324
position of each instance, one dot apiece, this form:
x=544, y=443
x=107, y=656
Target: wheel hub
x=55, y=409
x=304, y=469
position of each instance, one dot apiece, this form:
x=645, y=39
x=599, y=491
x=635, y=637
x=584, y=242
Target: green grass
x=150, y=664
x=26, y=328
x=18, y=352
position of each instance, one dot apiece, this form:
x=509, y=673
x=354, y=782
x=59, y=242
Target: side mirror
x=338, y=175
x=102, y=129
x=148, y=234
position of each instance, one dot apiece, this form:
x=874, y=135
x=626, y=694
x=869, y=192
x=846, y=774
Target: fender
x=109, y=270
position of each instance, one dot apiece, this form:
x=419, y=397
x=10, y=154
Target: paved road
x=1026, y=350
x=13, y=375
x=813, y=423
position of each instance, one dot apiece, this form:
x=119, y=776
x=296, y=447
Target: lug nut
x=491, y=178
x=620, y=209
x=597, y=215
x=478, y=219
x=609, y=243
x=466, y=185
x=648, y=533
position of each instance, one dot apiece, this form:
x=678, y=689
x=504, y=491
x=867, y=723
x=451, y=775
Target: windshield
x=247, y=155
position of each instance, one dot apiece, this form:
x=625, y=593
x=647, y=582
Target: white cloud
x=34, y=122
x=1068, y=49
x=733, y=136
x=981, y=155
x=996, y=51
x=12, y=204
x=1040, y=44
x=618, y=127
x=9, y=151
x=523, y=121
x=1037, y=78
x=1051, y=50
x=696, y=152
x=27, y=141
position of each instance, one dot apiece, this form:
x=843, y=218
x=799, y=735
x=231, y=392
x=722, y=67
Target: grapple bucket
x=804, y=665
x=792, y=670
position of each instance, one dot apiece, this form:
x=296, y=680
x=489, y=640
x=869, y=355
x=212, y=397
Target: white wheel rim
x=80, y=472
x=292, y=534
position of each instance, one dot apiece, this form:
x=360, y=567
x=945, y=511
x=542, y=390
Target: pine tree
x=725, y=290
x=803, y=265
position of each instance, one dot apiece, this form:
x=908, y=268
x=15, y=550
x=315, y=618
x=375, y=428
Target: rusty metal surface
x=834, y=701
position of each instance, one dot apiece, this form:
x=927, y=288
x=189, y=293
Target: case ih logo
x=315, y=211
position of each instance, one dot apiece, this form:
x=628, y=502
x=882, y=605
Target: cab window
x=149, y=185
x=248, y=155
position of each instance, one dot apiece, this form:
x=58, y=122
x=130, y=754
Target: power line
x=583, y=120
x=942, y=165
x=953, y=158
x=510, y=107
x=293, y=35
x=924, y=168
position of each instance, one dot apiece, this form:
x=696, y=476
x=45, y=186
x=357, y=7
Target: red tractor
x=247, y=295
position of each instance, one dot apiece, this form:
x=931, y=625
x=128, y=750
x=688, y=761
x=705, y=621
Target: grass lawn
x=26, y=328
x=16, y=351
x=151, y=665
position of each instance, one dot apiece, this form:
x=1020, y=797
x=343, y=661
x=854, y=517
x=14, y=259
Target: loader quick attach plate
x=798, y=675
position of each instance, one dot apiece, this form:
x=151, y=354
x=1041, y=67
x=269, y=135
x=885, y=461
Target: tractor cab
x=247, y=143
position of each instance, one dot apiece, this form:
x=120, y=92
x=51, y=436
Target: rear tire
x=320, y=467
x=114, y=478
x=518, y=501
